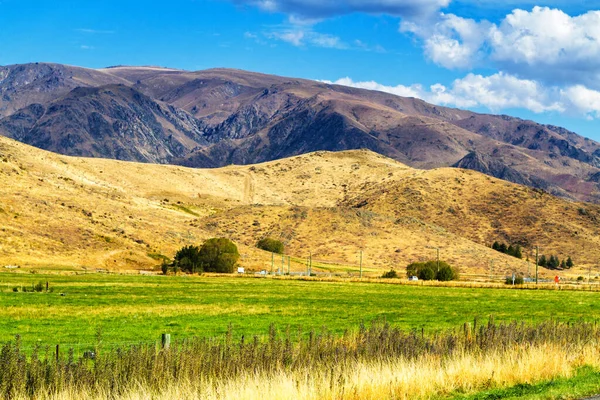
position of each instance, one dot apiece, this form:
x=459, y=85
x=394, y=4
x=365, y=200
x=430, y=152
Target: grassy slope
x=77, y=212
x=140, y=308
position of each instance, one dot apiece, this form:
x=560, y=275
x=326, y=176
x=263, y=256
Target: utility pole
x=438, y=259
x=309, y=263
x=361, y=264
x=289, y=264
x=281, y=272
x=307, y=273
x=537, y=263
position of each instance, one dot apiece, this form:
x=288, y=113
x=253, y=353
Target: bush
x=579, y=278
x=164, y=267
x=390, y=274
x=219, y=255
x=39, y=287
x=518, y=280
x=15, y=289
x=271, y=245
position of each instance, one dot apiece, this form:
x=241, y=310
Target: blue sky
x=533, y=59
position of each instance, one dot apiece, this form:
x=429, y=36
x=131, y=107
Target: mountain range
x=217, y=117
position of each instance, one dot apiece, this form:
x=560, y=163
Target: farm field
x=133, y=308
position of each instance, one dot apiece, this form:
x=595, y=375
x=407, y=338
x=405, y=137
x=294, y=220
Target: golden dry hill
x=67, y=212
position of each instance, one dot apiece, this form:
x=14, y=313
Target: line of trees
x=553, y=262
x=511, y=250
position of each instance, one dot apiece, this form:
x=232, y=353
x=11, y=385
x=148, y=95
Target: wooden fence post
x=165, y=341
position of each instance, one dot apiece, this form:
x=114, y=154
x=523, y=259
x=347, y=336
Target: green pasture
x=127, y=308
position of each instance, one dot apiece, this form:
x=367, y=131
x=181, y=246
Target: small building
x=413, y=278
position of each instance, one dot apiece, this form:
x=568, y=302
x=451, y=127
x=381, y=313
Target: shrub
x=518, y=280
x=579, y=279
x=271, y=245
x=390, y=274
x=38, y=287
x=15, y=289
x=218, y=255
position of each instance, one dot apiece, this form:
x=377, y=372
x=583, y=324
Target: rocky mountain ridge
x=218, y=117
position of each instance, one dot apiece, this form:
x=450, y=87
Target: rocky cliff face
x=111, y=122
x=217, y=117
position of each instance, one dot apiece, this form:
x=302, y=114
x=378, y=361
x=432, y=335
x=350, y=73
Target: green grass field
x=139, y=308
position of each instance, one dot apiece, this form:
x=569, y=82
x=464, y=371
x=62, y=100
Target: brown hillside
x=82, y=212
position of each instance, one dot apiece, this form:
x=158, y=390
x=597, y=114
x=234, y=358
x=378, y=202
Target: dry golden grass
x=67, y=212
x=399, y=379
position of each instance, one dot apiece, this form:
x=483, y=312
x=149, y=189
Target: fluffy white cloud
x=542, y=44
x=452, y=41
x=497, y=92
x=328, y=8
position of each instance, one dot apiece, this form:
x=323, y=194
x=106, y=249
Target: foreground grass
x=129, y=309
x=378, y=362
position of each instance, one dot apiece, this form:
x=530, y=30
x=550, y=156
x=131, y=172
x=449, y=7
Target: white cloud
x=542, y=44
x=497, y=92
x=451, y=41
x=304, y=36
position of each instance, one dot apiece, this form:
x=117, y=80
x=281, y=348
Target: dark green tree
x=219, y=255
x=563, y=264
x=502, y=248
x=496, y=246
x=518, y=253
x=271, y=245
x=510, y=250
x=188, y=259
x=542, y=261
x=569, y=263
x=446, y=273
x=426, y=274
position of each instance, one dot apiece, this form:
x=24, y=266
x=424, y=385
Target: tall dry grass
x=377, y=362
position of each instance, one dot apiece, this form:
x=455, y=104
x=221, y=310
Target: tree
x=428, y=271
x=518, y=253
x=218, y=255
x=553, y=263
x=426, y=274
x=502, y=248
x=188, y=259
x=563, y=264
x=271, y=245
x=510, y=250
x=446, y=273
x=570, y=262
x=542, y=261
x=496, y=246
